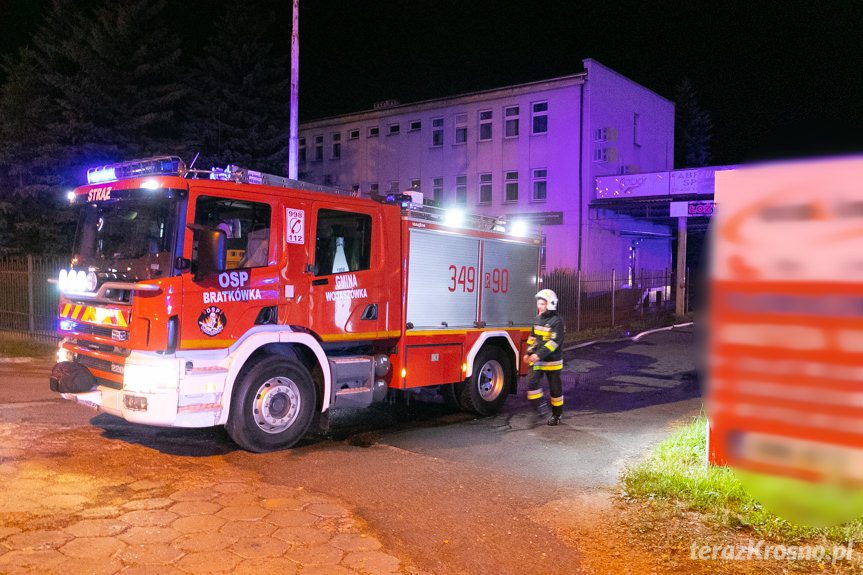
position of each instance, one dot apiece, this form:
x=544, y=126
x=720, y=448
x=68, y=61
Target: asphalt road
x=443, y=491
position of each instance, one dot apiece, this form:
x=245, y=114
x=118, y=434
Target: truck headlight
x=155, y=378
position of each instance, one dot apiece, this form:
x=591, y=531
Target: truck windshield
x=132, y=238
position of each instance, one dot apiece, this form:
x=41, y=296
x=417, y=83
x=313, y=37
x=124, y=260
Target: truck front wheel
x=272, y=406
x=486, y=389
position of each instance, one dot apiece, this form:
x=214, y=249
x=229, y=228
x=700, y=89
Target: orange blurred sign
x=785, y=396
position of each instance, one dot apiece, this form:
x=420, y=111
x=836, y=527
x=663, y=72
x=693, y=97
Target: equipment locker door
x=347, y=296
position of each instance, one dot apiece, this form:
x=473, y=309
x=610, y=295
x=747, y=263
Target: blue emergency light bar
x=160, y=166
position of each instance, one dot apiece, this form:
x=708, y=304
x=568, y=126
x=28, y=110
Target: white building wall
x=637, y=135
x=410, y=154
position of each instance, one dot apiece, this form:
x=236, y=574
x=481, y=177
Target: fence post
x=30, y=305
x=578, y=308
x=612, y=297
x=688, y=292
x=644, y=294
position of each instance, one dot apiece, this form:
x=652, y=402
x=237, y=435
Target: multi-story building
x=529, y=151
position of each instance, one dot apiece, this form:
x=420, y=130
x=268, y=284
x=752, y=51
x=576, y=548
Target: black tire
x=486, y=389
x=272, y=406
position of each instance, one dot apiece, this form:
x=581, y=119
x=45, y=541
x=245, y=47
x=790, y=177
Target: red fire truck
x=236, y=298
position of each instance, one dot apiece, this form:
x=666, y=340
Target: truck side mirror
x=211, y=251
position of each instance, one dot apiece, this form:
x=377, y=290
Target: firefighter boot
x=556, y=412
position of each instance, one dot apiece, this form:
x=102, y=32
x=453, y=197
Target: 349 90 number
x=464, y=279
x=465, y=276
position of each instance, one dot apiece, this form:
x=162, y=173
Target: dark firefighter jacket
x=546, y=341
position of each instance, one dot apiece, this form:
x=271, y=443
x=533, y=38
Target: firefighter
x=544, y=354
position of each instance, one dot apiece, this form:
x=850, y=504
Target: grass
x=677, y=472
x=11, y=346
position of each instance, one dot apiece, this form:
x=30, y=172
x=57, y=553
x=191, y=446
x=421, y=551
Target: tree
x=239, y=110
x=114, y=75
x=94, y=86
x=693, y=129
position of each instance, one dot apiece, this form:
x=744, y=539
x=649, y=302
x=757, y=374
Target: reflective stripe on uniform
x=557, y=401
x=548, y=365
x=551, y=345
x=541, y=330
x=534, y=394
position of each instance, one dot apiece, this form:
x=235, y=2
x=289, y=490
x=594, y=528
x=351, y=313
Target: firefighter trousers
x=555, y=388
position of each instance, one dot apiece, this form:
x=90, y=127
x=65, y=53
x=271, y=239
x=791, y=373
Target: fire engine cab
x=236, y=298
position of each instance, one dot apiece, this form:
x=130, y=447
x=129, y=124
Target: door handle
x=371, y=312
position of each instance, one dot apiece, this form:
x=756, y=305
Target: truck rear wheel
x=486, y=389
x=272, y=406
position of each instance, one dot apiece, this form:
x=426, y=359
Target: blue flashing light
x=220, y=174
x=161, y=166
x=99, y=175
x=66, y=325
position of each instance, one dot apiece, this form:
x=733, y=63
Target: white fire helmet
x=549, y=296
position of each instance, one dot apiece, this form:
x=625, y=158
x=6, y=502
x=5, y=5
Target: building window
x=319, y=148
x=415, y=185
x=394, y=129
x=394, y=187
x=511, y=179
x=540, y=117
x=374, y=190
x=302, y=151
x=603, y=154
x=437, y=132
x=461, y=190
x=511, y=124
x=635, y=136
x=485, y=188
x=354, y=135
x=416, y=126
x=374, y=132
x=337, y=146
x=437, y=190
x=539, y=185
x=461, y=129
x=485, y=125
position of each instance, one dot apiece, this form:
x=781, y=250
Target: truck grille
x=87, y=329
x=102, y=365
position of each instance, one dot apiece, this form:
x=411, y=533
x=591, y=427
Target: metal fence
x=608, y=298
x=28, y=303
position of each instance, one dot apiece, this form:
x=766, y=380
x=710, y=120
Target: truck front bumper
x=157, y=391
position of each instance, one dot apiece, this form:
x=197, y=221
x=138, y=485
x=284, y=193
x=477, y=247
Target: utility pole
x=680, y=288
x=295, y=87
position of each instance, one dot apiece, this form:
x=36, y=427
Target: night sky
x=780, y=79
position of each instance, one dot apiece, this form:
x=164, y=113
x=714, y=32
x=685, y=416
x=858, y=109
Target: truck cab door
x=220, y=306
x=347, y=292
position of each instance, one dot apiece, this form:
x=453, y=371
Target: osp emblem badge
x=212, y=321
